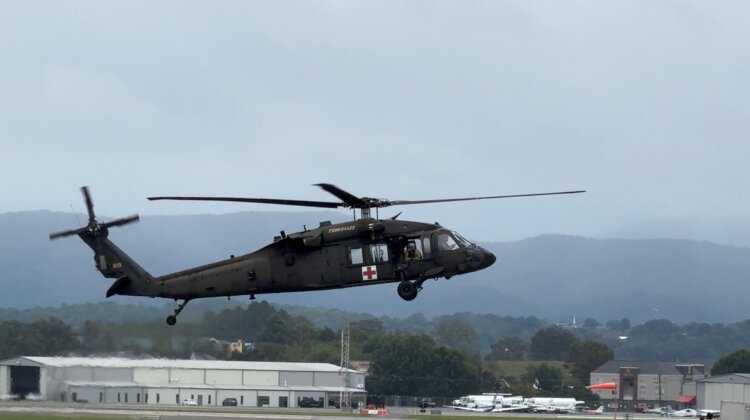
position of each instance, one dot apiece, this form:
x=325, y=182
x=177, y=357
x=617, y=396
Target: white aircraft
x=597, y=412
x=553, y=405
x=510, y=404
x=662, y=411
x=688, y=412
x=478, y=403
x=709, y=414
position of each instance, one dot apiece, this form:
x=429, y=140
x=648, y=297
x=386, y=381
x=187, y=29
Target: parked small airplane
x=597, y=412
x=489, y=402
x=709, y=414
x=662, y=411
x=553, y=405
x=688, y=412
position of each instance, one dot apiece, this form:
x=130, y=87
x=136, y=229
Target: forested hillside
x=485, y=335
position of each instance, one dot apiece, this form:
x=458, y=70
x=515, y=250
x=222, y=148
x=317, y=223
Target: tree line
x=431, y=358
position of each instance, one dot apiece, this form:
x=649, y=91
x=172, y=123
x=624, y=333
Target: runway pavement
x=226, y=413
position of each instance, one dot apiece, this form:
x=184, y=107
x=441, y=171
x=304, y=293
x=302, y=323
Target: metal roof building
x=710, y=392
x=167, y=381
x=646, y=384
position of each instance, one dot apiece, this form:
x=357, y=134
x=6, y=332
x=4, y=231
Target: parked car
x=229, y=402
x=189, y=401
x=426, y=403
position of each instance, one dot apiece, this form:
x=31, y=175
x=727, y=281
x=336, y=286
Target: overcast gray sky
x=643, y=103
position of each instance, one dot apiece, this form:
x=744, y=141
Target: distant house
x=647, y=384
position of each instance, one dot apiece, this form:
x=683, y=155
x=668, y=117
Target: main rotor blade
x=303, y=203
x=445, y=200
x=89, y=202
x=65, y=233
x=348, y=198
x=121, y=221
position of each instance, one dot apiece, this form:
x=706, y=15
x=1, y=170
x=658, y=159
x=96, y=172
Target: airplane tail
x=110, y=260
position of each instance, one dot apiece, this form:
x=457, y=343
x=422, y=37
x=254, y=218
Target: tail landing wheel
x=407, y=291
x=172, y=319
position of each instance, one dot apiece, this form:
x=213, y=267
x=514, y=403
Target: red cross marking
x=369, y=272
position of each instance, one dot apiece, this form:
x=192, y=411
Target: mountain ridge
x=550, y=276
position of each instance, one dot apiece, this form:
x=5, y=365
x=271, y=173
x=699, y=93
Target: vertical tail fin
x=110, y=260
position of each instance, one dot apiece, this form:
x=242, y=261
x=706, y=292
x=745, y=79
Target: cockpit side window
x=446, y=242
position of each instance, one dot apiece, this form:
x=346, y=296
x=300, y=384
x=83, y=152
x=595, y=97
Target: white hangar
x=166, y=381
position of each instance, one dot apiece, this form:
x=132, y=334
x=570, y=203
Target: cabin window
x=426, y=247
x=446, y=242
x=242, y=400
x=177, y=398
x=355, y=256
x=379, y=253
x=101, y=397
x=264, y=400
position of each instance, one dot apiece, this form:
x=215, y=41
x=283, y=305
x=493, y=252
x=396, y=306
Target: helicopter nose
x=489, y=257
x=479, y=258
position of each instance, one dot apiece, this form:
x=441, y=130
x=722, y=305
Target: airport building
x=647, y=384
x=166, y=381
x=710, y=392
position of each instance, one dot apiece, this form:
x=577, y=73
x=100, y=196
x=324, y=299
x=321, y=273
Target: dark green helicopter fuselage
x=356, y=253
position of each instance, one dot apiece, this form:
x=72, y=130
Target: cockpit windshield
x=446, y=242
x=461, y=240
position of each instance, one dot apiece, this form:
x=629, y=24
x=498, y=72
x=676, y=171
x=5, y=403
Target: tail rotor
x=94, y=228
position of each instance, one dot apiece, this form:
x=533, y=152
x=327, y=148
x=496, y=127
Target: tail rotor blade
x=122, y=221
x=89, y=203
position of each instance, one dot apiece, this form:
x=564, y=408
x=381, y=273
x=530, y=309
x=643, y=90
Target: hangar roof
x=119, y=362
x=736, y=378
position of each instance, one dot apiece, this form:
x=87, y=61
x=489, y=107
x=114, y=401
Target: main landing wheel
x=407, y=290
x=171, y=320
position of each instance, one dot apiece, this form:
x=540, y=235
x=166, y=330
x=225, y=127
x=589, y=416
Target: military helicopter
x=361, y=252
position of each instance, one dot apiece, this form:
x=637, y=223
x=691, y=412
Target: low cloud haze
x=643, y=103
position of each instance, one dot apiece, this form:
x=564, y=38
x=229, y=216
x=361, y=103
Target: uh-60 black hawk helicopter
x=360, y=252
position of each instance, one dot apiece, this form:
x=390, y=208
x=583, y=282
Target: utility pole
x=660, y=390
x=344, y=395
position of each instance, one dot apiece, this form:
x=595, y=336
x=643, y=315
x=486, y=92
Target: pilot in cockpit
x=412, y=253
